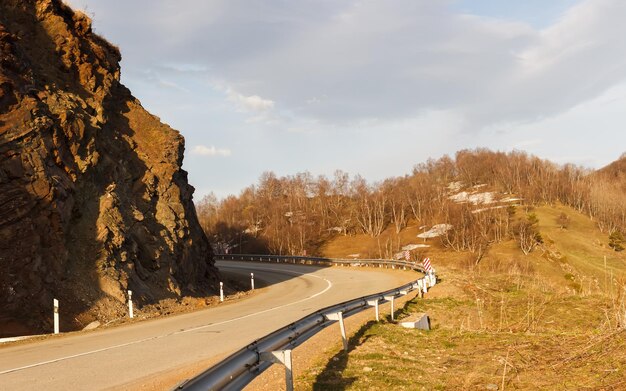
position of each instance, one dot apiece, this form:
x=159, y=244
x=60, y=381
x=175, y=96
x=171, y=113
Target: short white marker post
x=252, y=280
x=56, y=316
x=425, y=285
x=221, y=291
x=130, y=304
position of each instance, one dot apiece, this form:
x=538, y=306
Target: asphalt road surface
x=123, y=357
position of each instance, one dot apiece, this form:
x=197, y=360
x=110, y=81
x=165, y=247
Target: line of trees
x=296, y=214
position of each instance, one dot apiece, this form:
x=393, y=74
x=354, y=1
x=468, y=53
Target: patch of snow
x=354, y=255
x=410, y=247
x=336, y=229
x=436, y=230
x=476, y=198
x=455, y=186
x=481, y=198
x=510, y=199
x=460, y=197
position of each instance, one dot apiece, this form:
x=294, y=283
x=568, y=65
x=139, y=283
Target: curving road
x=134, y=355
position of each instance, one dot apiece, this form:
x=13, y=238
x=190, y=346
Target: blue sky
x=537, y=13
x=372, y=87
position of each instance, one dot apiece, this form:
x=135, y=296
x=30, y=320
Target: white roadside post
x=55, y=302
x=221, y=291
x=130, y=304
x=252, y=280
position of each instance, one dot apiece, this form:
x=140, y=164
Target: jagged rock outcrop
x=93, y=200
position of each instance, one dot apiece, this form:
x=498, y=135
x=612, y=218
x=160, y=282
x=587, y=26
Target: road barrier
x=387, y=263
x=239, y=369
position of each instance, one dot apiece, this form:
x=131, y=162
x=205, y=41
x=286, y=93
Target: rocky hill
x=93, y=200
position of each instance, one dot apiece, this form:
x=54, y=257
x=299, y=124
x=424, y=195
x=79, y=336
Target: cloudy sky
x=372, y=87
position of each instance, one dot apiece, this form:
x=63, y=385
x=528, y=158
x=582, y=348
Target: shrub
x=616, y=241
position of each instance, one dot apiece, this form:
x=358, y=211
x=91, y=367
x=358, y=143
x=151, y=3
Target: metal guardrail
x=240, y=368
x=321, y=261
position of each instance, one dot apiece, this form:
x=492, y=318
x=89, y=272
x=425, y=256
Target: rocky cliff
x=93, y=200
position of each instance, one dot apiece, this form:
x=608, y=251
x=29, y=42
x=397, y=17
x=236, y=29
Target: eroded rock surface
x=93, y=200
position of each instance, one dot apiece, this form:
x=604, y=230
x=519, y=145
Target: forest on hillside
x=295, y=215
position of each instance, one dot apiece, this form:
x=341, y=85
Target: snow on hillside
x=436, y=230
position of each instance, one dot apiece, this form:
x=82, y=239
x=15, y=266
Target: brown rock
x=93, y=199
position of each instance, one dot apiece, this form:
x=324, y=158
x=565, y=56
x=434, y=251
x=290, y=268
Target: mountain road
x=128, y=356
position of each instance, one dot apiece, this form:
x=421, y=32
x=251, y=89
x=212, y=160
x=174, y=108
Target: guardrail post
x=424, y=285
x=374, y=303
x=252, y=280
x=221, y=291
x=391, y=299
x=55, y=303
x=420, y=291
x=130, y=304
x=281, y=357
x=338, y=316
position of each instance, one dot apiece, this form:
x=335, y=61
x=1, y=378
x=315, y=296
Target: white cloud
x=396, y=81
x=203, y=150
x=172, y=85
x=250, y=103
x=349, y=61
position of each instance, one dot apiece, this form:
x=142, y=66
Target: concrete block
x=419, y=321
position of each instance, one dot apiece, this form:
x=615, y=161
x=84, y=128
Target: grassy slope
x=550, y=320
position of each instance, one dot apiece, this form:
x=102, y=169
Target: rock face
x=93, y=200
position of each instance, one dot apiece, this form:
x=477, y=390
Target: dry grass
x=493, y=336
x=552, y=320
x=384, y=246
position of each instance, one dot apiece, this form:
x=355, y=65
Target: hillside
x=474, y=193
x=615, y=172
x=529, y=254
x=553, y=319
x=93, y=200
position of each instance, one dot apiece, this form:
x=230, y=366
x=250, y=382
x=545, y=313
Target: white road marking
x=328, y=286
